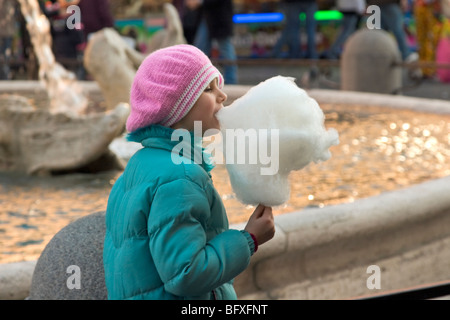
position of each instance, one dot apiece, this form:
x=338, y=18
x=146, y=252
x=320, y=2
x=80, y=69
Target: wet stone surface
x=380, y=150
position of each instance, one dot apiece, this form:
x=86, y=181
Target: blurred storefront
x=258, y=23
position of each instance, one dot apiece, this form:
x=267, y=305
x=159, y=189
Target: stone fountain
x=61, y=135
x=317, y=253
x=38, y=141
x=65, y=95
x=65, y=134
x=113, y=63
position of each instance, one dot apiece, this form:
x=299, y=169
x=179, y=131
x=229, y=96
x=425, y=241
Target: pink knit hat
x=167, y=84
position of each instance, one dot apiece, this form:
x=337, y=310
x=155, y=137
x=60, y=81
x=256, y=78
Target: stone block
x=15, y=279
x=368, y=63
x=71, y=265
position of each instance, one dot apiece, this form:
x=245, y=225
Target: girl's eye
x=208, y=89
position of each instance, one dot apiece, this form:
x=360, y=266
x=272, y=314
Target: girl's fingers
x=258, y=211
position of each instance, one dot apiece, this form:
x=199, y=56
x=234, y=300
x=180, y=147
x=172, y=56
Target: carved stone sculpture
x=35, y=140
x=113, y=63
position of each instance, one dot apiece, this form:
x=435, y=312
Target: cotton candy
x=290, y=133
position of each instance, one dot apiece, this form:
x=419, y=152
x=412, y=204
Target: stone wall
x=325, y=253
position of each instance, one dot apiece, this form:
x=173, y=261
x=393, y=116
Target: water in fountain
x=65, y=94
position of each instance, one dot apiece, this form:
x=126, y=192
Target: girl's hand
x=261, y=224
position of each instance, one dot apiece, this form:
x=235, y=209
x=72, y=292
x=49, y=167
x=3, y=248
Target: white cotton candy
x=281, y=129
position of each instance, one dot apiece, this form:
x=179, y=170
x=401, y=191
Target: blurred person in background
x=190, y=19
x=353, y=11
x=95, y=15
x=391, y=12
x=290, y=35
x=67, y=44
x=7, y=30
x=428, y=31
x=216, y=24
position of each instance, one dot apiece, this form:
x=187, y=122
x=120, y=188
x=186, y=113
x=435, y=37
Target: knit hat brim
x=191, y=94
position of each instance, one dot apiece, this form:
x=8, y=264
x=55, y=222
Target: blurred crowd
x=208, y=24
x=67, y=43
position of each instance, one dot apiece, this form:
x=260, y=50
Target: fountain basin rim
x=435, y=106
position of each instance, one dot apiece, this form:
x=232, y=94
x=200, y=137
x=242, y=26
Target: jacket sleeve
x=188, y=264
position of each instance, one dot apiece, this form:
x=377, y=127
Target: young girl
x=167, y=233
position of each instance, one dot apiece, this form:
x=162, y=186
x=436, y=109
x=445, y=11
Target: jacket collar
x=157, y=136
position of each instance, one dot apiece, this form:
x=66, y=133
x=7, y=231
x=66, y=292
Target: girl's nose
x=222, y=97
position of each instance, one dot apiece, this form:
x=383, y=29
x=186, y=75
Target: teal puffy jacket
x=167, y=233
